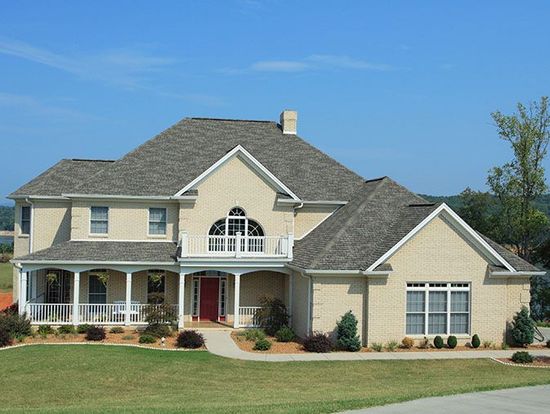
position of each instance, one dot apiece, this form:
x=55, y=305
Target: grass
x=98, y=379
x=6, y=281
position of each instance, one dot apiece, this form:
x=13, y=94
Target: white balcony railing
x=247, y=316
x=50, y=313
x=236, y=246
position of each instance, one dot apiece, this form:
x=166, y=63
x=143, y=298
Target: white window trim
x=90, y=222
x=196, y=280
x=157, y=236
x=21, y=221
x=223, y=281
x=90, y=274
x=426, y=288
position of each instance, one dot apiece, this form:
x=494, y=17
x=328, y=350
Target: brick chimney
x=289, y=121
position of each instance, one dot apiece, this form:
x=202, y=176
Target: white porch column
x=22, y=291
x=127, y=308
x=76, y=298
x=181, y=300
x=236, y=302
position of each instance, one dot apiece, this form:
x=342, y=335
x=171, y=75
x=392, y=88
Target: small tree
x=272, y=315
x=346, y=333
x=523, y=328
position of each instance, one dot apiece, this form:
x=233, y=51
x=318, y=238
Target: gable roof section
x=251, y=161
x=167, y=163
x=63, y=177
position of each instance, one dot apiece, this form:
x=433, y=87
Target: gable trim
x=259, y=167
x=471, y=233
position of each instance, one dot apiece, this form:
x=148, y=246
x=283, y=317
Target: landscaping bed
x=538, y=361
x=293, y=347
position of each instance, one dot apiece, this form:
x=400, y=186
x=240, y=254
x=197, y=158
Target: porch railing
x=50, y=313
x=247, y=316
x=236, y=246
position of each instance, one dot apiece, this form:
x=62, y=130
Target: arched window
x=223, y=233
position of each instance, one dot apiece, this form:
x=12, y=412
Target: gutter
x=327, y=272
x=312, y=203
x=130, y=197
x=518, y=273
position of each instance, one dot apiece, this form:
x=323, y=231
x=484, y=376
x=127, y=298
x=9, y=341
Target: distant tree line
x=7, y=217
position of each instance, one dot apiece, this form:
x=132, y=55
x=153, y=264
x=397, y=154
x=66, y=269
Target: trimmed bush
x=117, y=330
x=475, y=341
x=452, y=342
x=82, y=329
x=391, y=346
x=407, y=342
x=285, y=334
x=262, y=345
x=158, y=330
x=190, y=339
x=5, y=338
x=523, y=328
x=377, y=346
x=346, y=333
x=147, y=339
x=522, y=357
x=128, y=337
x=318, y=342
x=438, y=342
x=66, y=330
x=254, y=334
x=95, y=333
x=272, y=315
x=17, y=326
x=44, y=330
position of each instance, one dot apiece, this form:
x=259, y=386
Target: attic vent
x=289, y=121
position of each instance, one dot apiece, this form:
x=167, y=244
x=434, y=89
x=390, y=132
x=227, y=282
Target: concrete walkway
x=527, y=400
x=220, y=343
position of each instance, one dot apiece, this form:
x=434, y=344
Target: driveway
x=527, y=400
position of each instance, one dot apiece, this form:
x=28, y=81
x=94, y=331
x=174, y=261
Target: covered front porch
x=125, y=295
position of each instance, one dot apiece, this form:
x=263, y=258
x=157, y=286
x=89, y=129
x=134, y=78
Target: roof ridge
x=87, y=160
x=198, y=118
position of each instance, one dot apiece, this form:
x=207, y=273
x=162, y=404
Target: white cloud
x=279, y=66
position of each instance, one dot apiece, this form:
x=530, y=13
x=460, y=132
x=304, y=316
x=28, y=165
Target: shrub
x=346, y=333
x=424, y=343
x=44, y=330
x=66, y=330
x=158, y=330
x=272, y=315
x=95, y=333
x=190, y=339
x=117, y=330
x=161, y=314
x=522, y=357
x=438, y=342
x=504, y=346
x=548, y=344
x=523, y=328
x=128, y=337
x=82, y=329
x=391, y=346
x=407, y=342
x=147, y=339
x=376, y=346
x=17, y=326
x=475, y=341
x=318, y=342
x=262, y=345
x=254, y=334
x=285, y=334
x=5, y=338
x=487, y=344
x=452, y=342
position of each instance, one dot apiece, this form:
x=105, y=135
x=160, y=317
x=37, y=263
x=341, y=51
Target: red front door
x=209, y=299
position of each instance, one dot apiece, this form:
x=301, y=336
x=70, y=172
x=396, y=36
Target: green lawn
x=108, y=379
x=6, y=276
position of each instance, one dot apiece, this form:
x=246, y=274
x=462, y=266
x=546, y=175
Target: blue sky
x=397, y=88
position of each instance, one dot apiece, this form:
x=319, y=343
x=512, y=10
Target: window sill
x=458, y=336
x=156, y=236
x=101, y=236
x=23, y=236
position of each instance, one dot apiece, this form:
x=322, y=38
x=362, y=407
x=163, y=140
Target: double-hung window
x=99, y=220
x=438, y=308
x=157, y=221
x=25, y=220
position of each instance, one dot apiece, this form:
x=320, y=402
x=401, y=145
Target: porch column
x=236, y=302
x=290, y=296
x=76, y=298
x=22, y=291
x=181, y=300
x=127, y=308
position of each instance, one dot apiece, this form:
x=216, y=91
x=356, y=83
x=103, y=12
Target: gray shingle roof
x=63, y=177
x=106, y=251
x=165, y=164
x=517, y=262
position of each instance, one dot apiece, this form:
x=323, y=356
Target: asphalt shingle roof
x=106, y=251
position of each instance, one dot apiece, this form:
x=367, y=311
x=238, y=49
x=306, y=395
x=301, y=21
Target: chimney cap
x=289, y=121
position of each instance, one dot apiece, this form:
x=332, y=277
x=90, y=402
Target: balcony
x=237, y=246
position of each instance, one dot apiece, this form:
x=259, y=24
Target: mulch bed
x=276, y=347
x=6, y=300
x=538, y=361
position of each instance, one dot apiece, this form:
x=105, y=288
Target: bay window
x=438, y=308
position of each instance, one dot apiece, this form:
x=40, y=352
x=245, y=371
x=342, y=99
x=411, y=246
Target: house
x=212, y=214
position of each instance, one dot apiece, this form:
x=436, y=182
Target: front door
x=209, y=299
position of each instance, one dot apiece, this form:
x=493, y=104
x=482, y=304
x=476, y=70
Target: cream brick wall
x=307, y=218
x=257, y=284
x=333, y=296
x=127, y=220
x=236, y=184
x=300, y=304
x=440, y=254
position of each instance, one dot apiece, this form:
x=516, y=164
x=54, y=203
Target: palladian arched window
x=223, y=233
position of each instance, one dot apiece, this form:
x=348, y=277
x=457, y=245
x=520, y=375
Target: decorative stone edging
x=101, y=343
x=513, y=364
